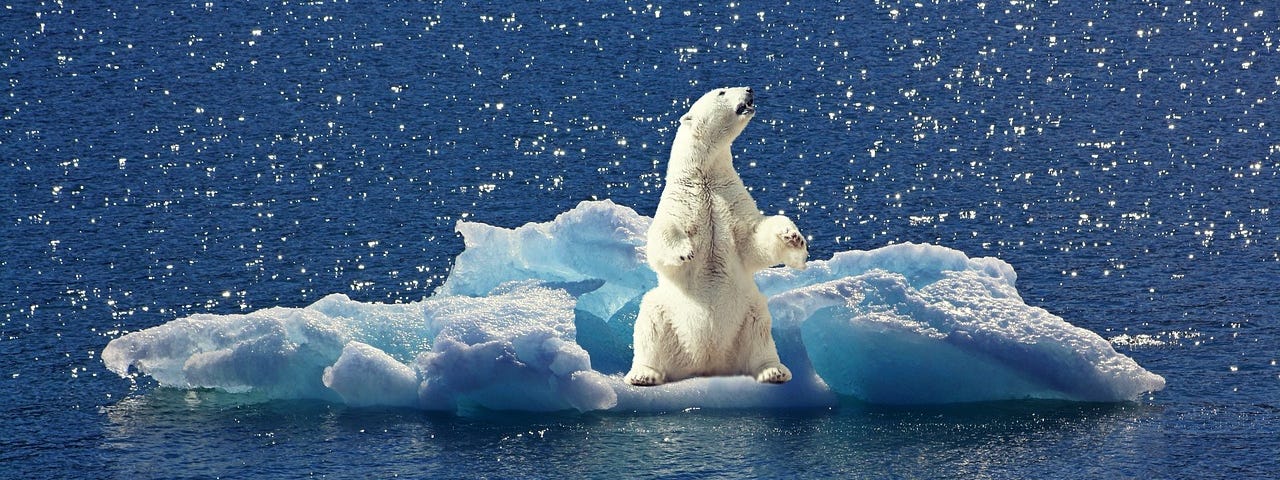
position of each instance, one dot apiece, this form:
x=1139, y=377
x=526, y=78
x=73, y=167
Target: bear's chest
x=713, y=226
x=708, y=201
x=710, y=217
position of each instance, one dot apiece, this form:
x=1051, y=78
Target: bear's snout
x=748, y=104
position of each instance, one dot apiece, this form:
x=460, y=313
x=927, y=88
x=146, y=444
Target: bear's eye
x=722, y=93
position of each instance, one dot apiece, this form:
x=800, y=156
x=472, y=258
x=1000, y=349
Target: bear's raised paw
x=792, y=238
x=684, y=258
x=795, y=250
x=676, y=255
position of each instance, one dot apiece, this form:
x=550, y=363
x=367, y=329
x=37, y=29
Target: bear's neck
x=700, y=162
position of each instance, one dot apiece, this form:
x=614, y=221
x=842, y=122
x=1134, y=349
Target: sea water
x=163, y=161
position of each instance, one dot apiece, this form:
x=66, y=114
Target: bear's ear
x=692, y=123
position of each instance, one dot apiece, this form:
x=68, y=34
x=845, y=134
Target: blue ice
x=538, y=318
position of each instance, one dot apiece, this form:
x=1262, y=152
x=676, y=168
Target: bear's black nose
x=751, y=97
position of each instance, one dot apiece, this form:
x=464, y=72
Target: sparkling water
x=161, y=160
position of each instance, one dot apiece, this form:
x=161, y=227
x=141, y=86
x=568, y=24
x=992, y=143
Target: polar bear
x=706, y=316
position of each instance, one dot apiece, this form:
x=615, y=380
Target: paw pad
x=774, y=375
x=793, y=239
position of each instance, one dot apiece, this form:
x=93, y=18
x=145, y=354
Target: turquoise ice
x=538, y=318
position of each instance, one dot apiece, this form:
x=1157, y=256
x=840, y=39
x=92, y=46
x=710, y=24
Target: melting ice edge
x=539, y=318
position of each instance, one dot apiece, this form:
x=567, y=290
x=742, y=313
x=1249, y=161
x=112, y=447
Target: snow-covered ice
x=539, y=318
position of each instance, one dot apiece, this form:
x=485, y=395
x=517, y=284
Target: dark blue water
x=167, y=159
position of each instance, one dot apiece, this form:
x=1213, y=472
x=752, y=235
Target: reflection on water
x=213, y=433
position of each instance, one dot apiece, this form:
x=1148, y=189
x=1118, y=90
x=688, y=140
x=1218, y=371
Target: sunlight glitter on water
x=139, y=188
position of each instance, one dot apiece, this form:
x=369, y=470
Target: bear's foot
x=642, y=376
x=776, y=373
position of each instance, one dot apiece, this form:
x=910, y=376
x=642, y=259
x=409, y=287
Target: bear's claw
x=644, y=377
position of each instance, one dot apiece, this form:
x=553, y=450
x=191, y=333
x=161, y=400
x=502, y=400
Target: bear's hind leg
x=650, y=331
x=762, y=360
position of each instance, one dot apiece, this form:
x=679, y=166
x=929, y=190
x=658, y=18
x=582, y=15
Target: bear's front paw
x=642, y=376
x=685, y=256
x=777, y=373
x=795, y=251
x=791, y=238
x=677, y=255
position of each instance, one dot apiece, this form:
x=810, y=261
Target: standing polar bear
x=707, y=316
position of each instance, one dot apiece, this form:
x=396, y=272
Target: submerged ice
x=539, y=318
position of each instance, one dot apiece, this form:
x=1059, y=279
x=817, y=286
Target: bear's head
x=720, y=115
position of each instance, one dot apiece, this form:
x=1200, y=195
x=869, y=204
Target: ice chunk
x=965, y=337
x=597, y=241
x=723, y=392
x=513, y=350
x=366, y=376
x=539, y=318
x=278, y=352
x=275, y=352
x=919, y=264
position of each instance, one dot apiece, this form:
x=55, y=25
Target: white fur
x=707, y=316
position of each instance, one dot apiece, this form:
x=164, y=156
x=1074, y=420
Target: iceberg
x=539, y=318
